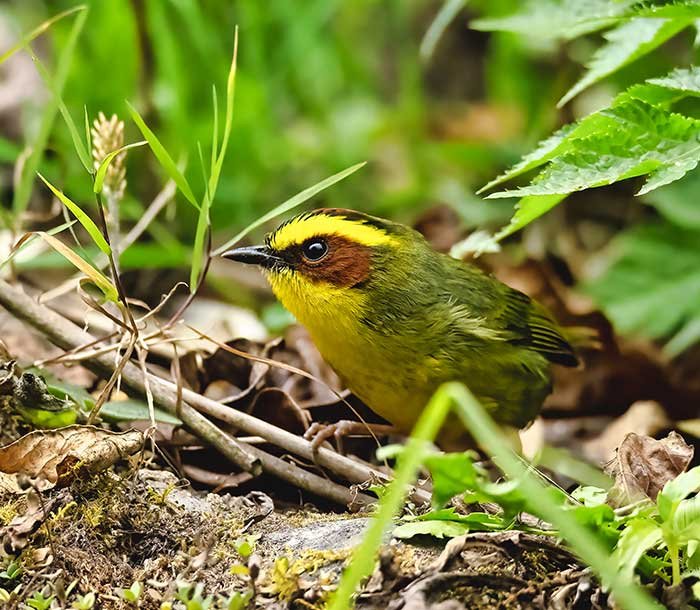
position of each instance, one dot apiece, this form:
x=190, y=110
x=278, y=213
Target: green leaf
x=686, y=520
x=476, y=520
x=678, y=489
x=164, y=158
x=104, y=166
x=625, y=44
x=437, y=529
x=557, y=19
x=632, y=139
x=623, y=290
x=677, y=201
x=590, y=496
x=452, y=474
x=685, y=80
x=48, y=420
x=545, y=150
x=639, y=536
x=135, y=410
x=527, y=210
x=290, y=204
x=82, y=217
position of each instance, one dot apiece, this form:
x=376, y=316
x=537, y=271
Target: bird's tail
x=582, y=337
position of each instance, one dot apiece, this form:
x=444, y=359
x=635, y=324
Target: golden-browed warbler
x=395, y=319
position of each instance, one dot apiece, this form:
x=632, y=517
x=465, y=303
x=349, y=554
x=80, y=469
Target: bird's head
x=323, y=261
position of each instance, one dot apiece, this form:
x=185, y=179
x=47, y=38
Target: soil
x=148, y=526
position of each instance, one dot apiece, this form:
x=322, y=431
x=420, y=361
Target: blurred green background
x=322, y=85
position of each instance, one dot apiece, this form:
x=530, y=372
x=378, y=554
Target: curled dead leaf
x=643, y=465
x=57, y=457
x=15, y=535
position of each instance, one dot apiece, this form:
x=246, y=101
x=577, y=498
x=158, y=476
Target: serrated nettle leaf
x=635, y=139
x=558, y=19
x=527, y=210
x=625, y=44
x=639, y=536
x=677, y=9
x=545, y=150
x=680, y=79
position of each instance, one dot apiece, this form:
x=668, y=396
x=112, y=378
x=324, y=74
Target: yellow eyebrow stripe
x=298, y=230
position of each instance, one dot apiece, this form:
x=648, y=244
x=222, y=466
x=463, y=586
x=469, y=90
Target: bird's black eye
x=314, y=249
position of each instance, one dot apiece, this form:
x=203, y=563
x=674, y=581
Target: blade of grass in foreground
x=290, y=204
x=627, y=594
x=580, y=539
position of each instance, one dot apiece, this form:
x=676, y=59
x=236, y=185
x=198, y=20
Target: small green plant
x=236, y=601
x=84, y=602
x=521, y=490
x=132, y=595
x=12, y=572
x=191, y=596
x=40, y=601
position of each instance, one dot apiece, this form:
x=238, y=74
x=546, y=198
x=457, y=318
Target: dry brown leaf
x=645, y=418
x=643, y=465
x=56, y=457
x=15, y=535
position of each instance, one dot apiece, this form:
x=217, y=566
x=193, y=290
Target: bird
x=396, y=319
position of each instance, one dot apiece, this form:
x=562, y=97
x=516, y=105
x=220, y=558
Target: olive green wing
x=534, y=327
x=491, y=310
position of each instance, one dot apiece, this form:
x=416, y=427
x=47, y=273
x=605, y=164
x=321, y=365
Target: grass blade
x=107, y=288
x=28, y=238
x=480, y=425
x=203, y=222
x=290, y=204
x=39, y=30
x=163, y=157
x=417, y=447
x=228, y=120
x=445, y=16
x=104, y=166
x=83, y=153
x=24, y=188
x=588, y=547
x=82, y=217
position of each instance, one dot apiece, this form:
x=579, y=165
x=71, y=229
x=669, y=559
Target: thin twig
x=67, y=335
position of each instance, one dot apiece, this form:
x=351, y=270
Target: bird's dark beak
x=253, y=255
